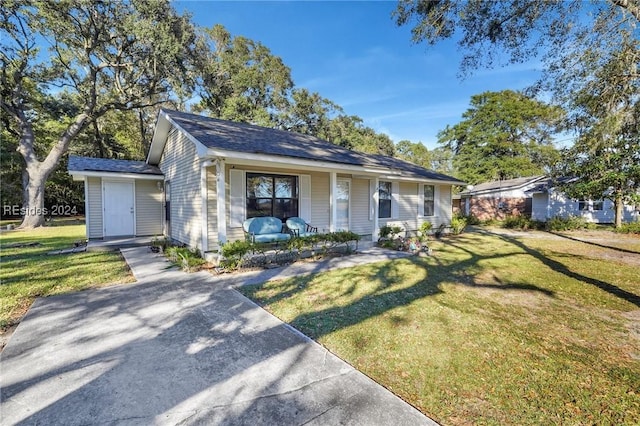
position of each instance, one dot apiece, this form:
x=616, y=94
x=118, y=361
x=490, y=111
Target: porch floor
x=118, y=243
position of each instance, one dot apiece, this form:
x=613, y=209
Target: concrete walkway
x=178, y=348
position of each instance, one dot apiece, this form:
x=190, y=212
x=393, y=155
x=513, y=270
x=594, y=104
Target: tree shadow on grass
x=383, y=297
x=562, y=269
x=593, y=243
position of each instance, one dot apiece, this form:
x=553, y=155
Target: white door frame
x=104, y=207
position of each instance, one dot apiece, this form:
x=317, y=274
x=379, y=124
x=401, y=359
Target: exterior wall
x=93, y=207
x=148, y=208
x=319, y=198
x=486, y=208
x=409, y=216
x=539, y=207
x=360, y=204
x=181, y=166
x=560, y=205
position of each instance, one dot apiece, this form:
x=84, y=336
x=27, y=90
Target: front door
x=344, y=205
x=118, y=208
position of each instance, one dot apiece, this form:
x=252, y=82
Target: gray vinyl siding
x=212, y=209
x=320, y=200
x=94, y=207
x=148, y=208
x=444, y=207
x=360, y=222
x=181, y=166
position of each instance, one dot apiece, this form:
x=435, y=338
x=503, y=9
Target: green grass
x=490, y=330
x=28, y=272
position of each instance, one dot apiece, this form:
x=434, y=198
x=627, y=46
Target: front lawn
x=490, y=330
x=28, y=272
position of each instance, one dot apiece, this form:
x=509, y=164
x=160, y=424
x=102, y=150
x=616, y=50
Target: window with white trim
x=429, y=200
x=272, y=195
x=384, y=200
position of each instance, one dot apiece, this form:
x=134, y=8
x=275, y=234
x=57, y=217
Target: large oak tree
x=105, y=55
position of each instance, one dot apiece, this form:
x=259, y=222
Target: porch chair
x=299, y=228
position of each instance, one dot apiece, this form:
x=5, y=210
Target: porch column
x=204, y=225
x=373, y=211
x=221, y=196
x=333, y=206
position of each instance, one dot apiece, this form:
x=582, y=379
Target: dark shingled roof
x=501, y=184
x=241, y=137
x=88, y=164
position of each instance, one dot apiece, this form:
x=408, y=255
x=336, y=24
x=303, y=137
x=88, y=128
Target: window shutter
x=395, y=198
x=305, y=198
x=373, y=198
x=421, y=200
x=236, y=198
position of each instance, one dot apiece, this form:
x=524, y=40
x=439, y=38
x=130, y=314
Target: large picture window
x=272, y=195
x=429, y=200
x=384, y=200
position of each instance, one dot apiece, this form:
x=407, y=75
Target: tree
x=415, y=153
x=562, y=32
x=106, y=55
x=605, y=160
x=307, y=113
x=503, y=135
x=240, y=79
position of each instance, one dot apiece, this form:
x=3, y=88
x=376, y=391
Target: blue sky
x=353, y=54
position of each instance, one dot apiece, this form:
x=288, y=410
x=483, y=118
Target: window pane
x=428, y=208
x=597, y=205
x=259, y=186
x=258, y=207
x=284, y=208
x=429, y=192
x=384, y=209
x=286, y=187
x=384, y=191
x=583, y=205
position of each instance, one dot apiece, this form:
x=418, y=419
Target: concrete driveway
x=178, y=348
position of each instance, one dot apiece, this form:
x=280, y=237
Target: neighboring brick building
x=499, y=199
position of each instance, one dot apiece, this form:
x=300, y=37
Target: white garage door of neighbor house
x=118, y=209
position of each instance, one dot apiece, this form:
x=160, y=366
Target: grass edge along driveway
x=28, y=272
x=490, y=330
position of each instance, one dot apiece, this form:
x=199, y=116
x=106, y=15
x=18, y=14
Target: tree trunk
x=33, y=194
x=619, y=209
x=37, y=172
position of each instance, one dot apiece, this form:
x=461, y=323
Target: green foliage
x=629, y=228
x=521, y=222
x=458, y=223
x=415, y=153
x=385, y=231
x=188, y=259
x=569, y=223
x=241, y=253
x=233, y=253
x=503, y=135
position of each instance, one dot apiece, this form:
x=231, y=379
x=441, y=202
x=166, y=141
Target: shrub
x=523, y=223
x=629, y=228
x=569, y=223
x=189, y=260
x=425, y=229
x=458, y=223
x=234, y=252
